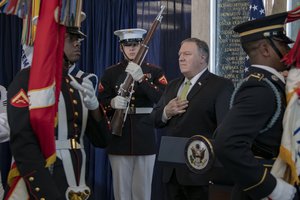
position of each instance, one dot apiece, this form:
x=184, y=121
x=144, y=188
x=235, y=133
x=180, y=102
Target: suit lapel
x=201, y=82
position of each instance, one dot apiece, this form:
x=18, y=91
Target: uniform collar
x=71, y=68
x=271, y=70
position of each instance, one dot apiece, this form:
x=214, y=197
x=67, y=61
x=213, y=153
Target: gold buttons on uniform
x=71, y=90
x=67, y=80
x=37, y=189
x=132, y=98
x=75, y=125
x=74, y=102
x=31, y=178
x=42, y=198
x=76, y=114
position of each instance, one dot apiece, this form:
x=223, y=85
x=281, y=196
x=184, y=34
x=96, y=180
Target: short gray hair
x=202, y=46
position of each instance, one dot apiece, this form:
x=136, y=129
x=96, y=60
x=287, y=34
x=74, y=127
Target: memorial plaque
x=229, y=55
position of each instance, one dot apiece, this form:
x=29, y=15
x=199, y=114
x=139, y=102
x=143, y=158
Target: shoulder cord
x=278, y=102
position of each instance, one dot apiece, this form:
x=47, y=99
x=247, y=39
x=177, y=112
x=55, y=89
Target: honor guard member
x=78, y=114
x=132, y=155
x=248, y=140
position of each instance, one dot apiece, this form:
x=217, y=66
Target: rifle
x=119, y=116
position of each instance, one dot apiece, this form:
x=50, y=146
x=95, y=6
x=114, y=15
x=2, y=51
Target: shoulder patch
x=256, y=76
x=20, y=100
x=163, y=80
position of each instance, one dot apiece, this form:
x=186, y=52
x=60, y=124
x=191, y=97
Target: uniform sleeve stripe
x=260, y=182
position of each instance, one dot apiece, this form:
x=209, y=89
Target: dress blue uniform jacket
x=241, y=145
x=138, y=132
x=43, y=182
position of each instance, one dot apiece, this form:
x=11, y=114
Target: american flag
x=256, y=11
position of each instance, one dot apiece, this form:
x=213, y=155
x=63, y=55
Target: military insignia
x=100, y=88
x=20, y=100
x=199, y=154
x=275, y=78
x=163, y=80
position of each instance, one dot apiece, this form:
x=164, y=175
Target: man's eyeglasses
x=131, y=44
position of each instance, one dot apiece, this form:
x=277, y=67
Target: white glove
x=4, y=128
x=88, y=92
x=135, y=71
x=283, y=191
x=119, y=102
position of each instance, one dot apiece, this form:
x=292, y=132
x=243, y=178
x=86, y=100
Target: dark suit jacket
x=208, y=104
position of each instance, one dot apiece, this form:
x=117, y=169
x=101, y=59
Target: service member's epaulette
x=257, y=76
x=260, y=77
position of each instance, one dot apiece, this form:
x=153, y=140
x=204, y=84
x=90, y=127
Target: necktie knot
x=185, y=90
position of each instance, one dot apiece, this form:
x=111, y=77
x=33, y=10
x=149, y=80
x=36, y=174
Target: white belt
x=140, y=110
x=67, y=144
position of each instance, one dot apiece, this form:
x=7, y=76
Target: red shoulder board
x=20, y=100
x=163, y=80
x=100, y=88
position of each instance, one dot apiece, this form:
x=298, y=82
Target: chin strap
x=126, y=57
x=275, y=48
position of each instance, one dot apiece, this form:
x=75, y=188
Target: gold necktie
x=185, y=90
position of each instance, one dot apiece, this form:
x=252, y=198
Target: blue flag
x=256, y=11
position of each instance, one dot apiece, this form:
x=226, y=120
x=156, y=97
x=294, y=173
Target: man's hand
x=283, y=191
x=176, y=107
x=135, y=71
x=4, y=128
x=88, y=92
x=119, y=102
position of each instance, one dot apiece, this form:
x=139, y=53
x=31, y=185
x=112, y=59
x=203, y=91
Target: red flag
x=45, y=77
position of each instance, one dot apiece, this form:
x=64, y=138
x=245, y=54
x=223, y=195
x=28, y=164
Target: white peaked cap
x=128, y=34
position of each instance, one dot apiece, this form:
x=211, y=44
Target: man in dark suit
x=198, y=111
x=248, y=140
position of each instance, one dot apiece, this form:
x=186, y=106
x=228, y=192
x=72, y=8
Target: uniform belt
x=140, y=110
x=67, y=144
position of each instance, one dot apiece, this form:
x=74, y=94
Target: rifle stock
x=118, y=117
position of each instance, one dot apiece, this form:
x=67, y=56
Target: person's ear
x=264, y=48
